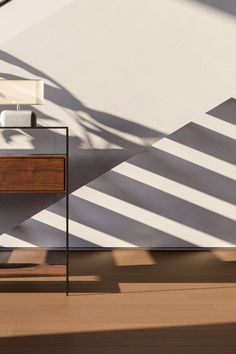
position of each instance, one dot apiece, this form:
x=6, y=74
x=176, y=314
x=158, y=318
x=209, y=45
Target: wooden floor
x=129, y=302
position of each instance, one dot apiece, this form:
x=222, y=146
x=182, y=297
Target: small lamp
x=20, y=92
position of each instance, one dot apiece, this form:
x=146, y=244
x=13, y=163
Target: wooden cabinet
x=38, y=173
x=33, y=173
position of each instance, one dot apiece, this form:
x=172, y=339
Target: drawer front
x=33, y=174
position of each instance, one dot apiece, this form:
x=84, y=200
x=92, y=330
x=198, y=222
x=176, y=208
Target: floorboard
x=121, y=301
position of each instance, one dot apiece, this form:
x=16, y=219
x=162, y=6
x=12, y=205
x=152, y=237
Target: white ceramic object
x=10, y=118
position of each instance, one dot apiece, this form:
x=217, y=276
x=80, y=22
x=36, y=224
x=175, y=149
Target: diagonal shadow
x=187, y=173
x=62, y=97
x=165, y=204
x=225, y=111
x=85, y=163
x=162, y=203
x=4, y=2
x=118, y=225
x=227, y=6
x=39, y=239
x=156, y=201
x=207, y=141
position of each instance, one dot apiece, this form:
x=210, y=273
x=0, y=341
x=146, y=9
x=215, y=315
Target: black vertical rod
x=67, y=212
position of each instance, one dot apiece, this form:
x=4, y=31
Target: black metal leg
x=67, y=244
x=67, y=214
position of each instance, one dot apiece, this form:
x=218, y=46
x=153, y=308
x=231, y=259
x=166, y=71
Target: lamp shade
x=28, y=92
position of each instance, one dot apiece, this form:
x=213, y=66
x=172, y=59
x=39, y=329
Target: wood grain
x=33, y=174
x=170, y=302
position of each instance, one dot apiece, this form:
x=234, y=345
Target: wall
x=123, y=74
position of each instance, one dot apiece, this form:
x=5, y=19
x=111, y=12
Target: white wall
x=122, y=74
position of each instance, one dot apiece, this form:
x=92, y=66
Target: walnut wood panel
x=33, y=174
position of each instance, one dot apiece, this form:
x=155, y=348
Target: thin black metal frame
x=67, y=196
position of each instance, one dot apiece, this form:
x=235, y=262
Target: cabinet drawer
x=33, y=174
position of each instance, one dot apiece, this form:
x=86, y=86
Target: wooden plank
x=33, y=174
x=183, y=303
